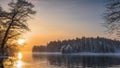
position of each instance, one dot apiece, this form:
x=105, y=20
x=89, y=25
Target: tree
x=13, y=24
x=112, y=16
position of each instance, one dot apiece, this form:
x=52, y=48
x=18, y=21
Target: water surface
x=41, y=60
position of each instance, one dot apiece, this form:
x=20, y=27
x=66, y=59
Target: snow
x=3, y=56
x=48, y=53
x=117, y=50
x=78, y=54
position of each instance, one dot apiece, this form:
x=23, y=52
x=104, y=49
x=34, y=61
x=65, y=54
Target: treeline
x=98, y=44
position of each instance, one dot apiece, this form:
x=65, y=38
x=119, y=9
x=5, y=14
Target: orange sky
x=58, y=20
x=43, y=39
x=63, y=19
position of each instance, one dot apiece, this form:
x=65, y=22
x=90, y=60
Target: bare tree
x=112, y=16
x=13, y=24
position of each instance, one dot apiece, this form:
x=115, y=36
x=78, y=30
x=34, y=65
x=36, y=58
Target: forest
x=90, y=44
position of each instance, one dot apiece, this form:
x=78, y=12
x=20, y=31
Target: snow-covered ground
x=48, y=53
x=78, y=54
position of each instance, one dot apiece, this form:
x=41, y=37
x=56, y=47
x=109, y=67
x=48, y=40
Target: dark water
x=67, y=61
x=73, y=61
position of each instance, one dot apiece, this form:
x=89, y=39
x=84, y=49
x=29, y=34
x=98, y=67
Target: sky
x=64, y=19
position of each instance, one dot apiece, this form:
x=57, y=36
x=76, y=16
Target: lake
x=57, y=60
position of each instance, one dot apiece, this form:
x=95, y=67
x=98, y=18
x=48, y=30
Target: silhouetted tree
x=112, y=16
x=13, y=23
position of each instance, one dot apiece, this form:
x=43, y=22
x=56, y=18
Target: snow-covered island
x=81, y=45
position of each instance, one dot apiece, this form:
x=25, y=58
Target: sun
x=21, y=41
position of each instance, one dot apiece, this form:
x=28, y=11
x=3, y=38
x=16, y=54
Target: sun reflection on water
x=19, y=55
x=19, y=63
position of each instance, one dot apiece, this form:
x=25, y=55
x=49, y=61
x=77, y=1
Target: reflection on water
x=19, y=64
x=69, y=61
x=65, y=61
x=13, y=62
x=19, y=55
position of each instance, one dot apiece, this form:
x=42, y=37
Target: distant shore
x=78, y=54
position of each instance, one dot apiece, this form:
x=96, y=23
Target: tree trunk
x=2, y=58
x=7, y=33
x=3, y=45
x=1, y=63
